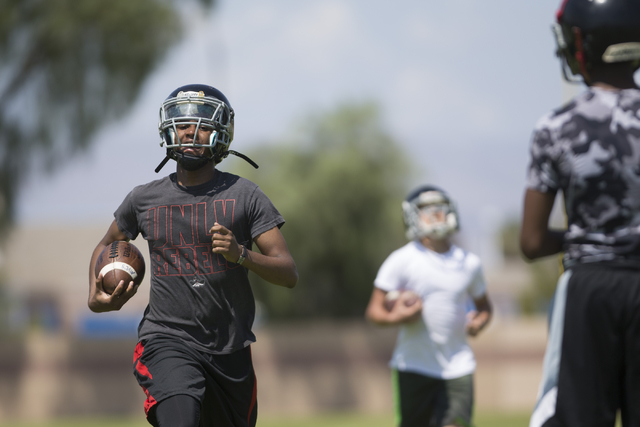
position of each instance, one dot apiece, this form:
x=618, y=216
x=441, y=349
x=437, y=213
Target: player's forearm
x=536, y=239
x=99, y=301
x=380, y=316
x=279, y=269
x=93, y=304
x=481, y=315
x=542, y=245
x=385, y=320
x=376, y=312
x=483, y=318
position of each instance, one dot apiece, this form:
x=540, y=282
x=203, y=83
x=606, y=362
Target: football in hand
x=408, y=298
x=119, y=261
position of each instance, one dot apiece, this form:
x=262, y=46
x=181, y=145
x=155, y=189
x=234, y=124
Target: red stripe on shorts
x=138, y=352
x=150, y=401
x=140, y=367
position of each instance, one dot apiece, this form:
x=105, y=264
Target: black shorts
x=592, y=362
x=225, y=385
x=423, y=401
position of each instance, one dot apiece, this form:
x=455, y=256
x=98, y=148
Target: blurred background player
x=193, y=358
x=432, y=363
x=590, y=150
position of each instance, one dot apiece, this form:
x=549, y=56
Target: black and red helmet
x=597, y=31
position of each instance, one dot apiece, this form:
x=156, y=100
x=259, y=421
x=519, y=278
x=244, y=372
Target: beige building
x=63, y=360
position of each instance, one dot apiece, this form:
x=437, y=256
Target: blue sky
x=460, y=83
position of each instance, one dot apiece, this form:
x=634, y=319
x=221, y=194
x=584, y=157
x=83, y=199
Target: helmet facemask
x=569, y=64
x=204, y=112
x=431, y=214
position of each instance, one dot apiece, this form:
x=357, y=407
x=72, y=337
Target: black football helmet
x=596, y=31
x=429, y=212
x=205, y=107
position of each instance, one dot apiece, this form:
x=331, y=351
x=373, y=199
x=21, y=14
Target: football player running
x=193, y=358
x=432, y=364
x=589, y=149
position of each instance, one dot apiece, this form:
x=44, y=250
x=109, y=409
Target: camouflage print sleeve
x=543, y=174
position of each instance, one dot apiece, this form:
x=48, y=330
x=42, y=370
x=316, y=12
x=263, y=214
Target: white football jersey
x=436, y=345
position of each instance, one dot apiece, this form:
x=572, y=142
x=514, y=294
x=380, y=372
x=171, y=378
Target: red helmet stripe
x=560, y=11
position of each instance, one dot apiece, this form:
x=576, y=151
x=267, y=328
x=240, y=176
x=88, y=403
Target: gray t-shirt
x=590, y=149
x=197, y=295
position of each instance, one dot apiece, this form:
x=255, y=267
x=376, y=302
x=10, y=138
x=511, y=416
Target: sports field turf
x=333, y=420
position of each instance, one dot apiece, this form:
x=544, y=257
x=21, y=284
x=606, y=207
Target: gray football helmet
x=429, y=212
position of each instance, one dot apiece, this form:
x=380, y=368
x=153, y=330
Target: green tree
x=67, y=67
x=544, y=277
x=543, y=273
x=339, y=185
x=510, y=239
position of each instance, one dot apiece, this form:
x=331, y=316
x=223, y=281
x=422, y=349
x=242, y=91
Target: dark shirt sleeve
x=126, y=217
x=263, y=215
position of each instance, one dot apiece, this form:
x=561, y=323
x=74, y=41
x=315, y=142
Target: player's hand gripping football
x=224, y=242
x=405, y=310
x=100, y=301
x=475, y=323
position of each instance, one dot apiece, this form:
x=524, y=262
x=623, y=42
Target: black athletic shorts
x=225, y=385
x=592, y=362
x=423, y=401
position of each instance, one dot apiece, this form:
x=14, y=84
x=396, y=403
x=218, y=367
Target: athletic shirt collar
x=444, y=255
x=196, y=189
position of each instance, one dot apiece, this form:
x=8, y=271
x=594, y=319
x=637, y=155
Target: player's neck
x=437, y=245
x=200, y=176
x=613, y=77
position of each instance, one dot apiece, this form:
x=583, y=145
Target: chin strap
x=235, y=153
x=162, y=163
x=243, y=157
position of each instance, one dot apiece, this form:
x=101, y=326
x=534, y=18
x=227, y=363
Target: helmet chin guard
x=190, y=162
